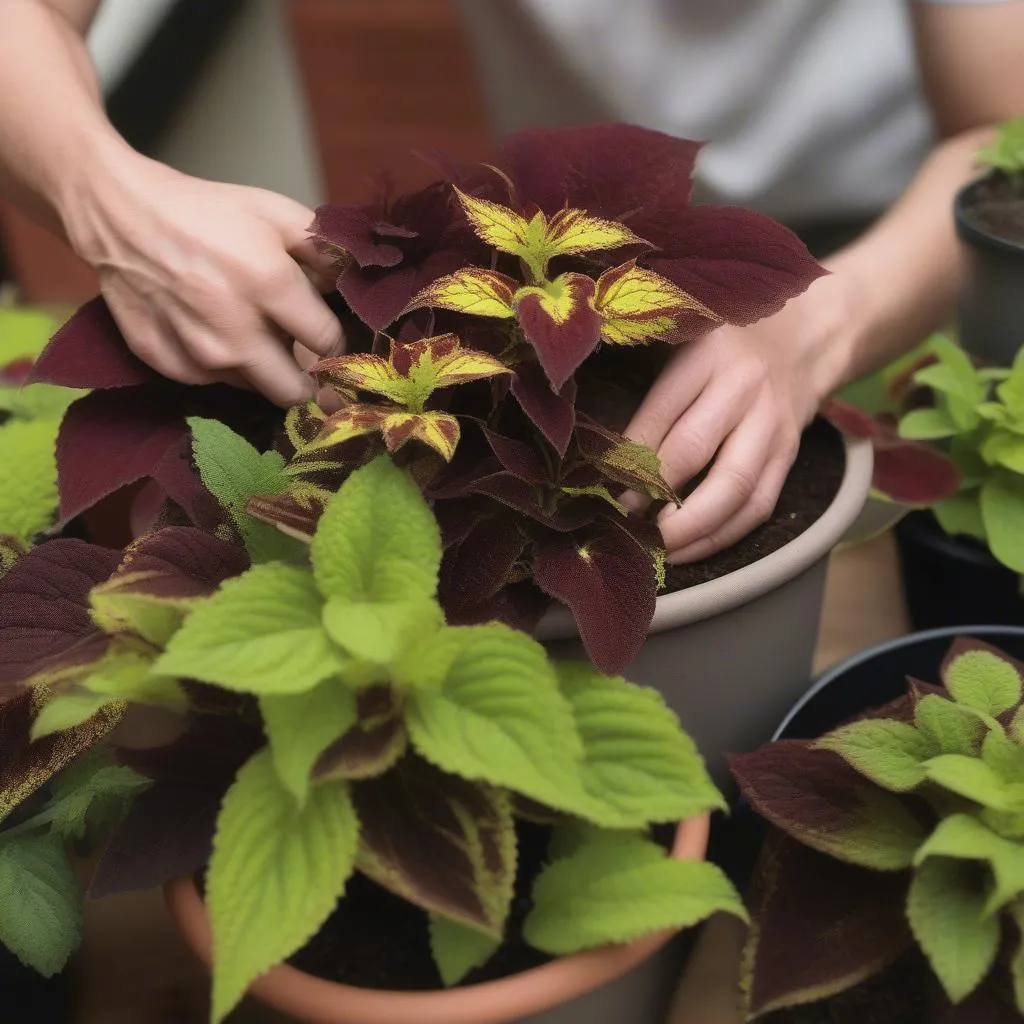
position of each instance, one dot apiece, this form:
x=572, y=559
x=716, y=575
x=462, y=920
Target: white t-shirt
x=812, y=108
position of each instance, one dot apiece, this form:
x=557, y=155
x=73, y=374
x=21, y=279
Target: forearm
x=54, y=135
x=902, y=276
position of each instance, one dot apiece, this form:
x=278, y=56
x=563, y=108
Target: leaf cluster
x=910, y=821
x=1006, y=152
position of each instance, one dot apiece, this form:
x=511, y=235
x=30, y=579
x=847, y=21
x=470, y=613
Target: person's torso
x=811, y=107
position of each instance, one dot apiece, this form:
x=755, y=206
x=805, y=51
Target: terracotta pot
x=614, y=984
x=732, y=655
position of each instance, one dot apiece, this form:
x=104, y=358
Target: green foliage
x=620, y=886
x=276, y=872
x=28, y=477
x=978, y=414
x=91, y=795
x=40, y=901
x=1006, y=152
x=234, y=471
x=954, y=762
x=457, y=949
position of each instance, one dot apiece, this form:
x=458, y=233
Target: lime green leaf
x=886, y=751
x=926, y=425
x=961, y=514
x=1016, y=727
x=950, y=728
x=638, y=762
x=24, y=333
x=458, y=949
x=1002, y=510
x=380, y=631
x=378, y=539
x=234, y=471
x=484, y=703
x=301, y=726
x=67, y=710
x=1017, y=966
x=619, y=887
x=91, y=795
x=40, y=902
x=965, y=838
x=972, y=778
x=260, y=633
x=129, y=676
x=1004, y=757
x=276, y=872
x=982, y=680
x=28, y=477
x=946, y=909
x=37, y=401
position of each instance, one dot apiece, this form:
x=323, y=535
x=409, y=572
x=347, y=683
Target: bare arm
x=204, y=278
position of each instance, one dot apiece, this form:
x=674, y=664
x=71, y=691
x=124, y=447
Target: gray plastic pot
x=990, y=313
x=732, y=655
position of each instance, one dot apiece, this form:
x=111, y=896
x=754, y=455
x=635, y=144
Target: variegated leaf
x=362, y=371
x=495, y=224
x=637, y=305
x=571, y=232
x=439, y=430
x=473, y=290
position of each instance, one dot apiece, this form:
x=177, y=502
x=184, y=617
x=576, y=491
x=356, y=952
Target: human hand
x=208, y=281
x=737, y=400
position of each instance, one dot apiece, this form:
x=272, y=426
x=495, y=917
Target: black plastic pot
x=991, y=309
x=953, y=581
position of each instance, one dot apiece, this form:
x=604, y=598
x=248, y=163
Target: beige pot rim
x=738, y=588
x=316, y=1001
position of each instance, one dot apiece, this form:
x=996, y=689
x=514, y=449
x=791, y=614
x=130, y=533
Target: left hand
x=739, y=398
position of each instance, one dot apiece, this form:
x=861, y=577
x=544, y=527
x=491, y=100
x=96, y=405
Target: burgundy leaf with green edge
x=560, y=322
x=373, y=744
x=609, y=582
x=11, y=551
x=168, y=830
x=442, y=843
x=820, y=800
x=89, y=351
x=820, y=926
x=109, y=441
x=292, y=517
x=44, y=610
x=552, y=412
x=907, y=472
x=481, y=564
x=25, y=766
x=621, y=460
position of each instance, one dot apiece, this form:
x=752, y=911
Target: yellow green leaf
x=473, y=290
x=363, y=372
x=440, y=430
x=560, y=298
x=495, y=224
x=571, y=232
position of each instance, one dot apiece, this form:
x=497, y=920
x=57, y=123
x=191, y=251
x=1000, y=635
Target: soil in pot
x=996, y=207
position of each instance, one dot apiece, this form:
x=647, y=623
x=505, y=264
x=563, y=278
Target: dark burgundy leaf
x=109, y=440
x=44, y=609
x=911, y=473
x=820, y=926
x=517, y=457
x=181, y=483
x=475, y=569
x=288, y=515
x=442, y=843
x=609, y=582
x=358, y=231
x=553, y=413
x=89, y=351
x=373, y=744
x=519, y=606
x=741, y=264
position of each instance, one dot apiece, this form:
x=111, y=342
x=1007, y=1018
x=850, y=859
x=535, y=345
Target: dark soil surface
x=376, y=940
x=998, y=208
x=808, y=492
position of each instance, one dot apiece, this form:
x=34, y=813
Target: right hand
x=208, y=281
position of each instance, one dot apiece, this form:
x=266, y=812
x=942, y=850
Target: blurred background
x=290, y=95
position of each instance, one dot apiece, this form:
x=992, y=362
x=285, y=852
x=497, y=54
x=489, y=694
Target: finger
x=729, y=484
x=302, y=314
x=270, y=368
x=676, y=389
x=321, y=268
x=751, y=515
x=159, y=346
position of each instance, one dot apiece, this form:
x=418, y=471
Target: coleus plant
x=583, y=242
x=1006, y=151
x=332, y=722
x=904, y=827
x=977, y=416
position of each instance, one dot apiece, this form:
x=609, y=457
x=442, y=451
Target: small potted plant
x=990, y=222
x=502, y=325
x=482, y=813
x=891, y=883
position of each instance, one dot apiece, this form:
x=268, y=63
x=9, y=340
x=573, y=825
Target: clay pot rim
x=735, y=589
x=317, y=1001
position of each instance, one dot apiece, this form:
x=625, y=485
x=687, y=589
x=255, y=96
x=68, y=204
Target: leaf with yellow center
x=637, y=305
x=473, y=290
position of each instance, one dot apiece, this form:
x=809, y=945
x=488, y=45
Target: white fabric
x=812, y=107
